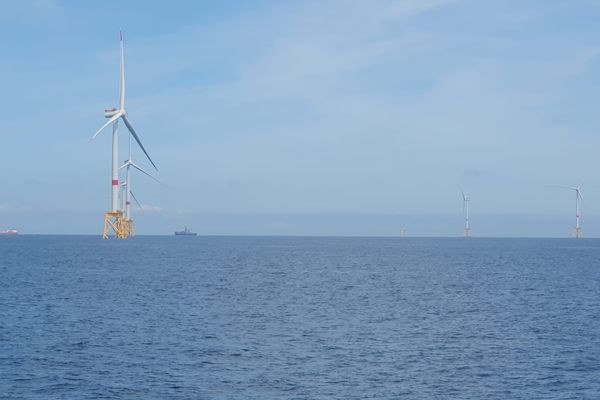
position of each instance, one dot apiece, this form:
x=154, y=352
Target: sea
x=299, y=318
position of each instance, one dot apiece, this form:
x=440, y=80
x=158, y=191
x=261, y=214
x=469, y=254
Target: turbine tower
x=113, y=219
x=466, y=199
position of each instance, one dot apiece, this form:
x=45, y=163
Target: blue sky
x=281, y=117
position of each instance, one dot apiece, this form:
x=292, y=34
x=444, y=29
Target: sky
x=306, y=117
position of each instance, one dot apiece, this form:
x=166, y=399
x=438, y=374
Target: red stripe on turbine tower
x=115, y=182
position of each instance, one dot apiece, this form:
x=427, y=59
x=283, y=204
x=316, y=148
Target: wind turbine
x=128, y=164
x=466, y=199
x=113, y=217
x=578, y=230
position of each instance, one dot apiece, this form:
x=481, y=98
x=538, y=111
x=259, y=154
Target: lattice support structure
x=129, y=227
x=115, y=225
x=578, y=232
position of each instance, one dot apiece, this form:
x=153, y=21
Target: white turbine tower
x=113, y=218
x=123, y=188
x=466, y=200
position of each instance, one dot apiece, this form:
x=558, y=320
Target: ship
x=9, y=232
x=185, y=232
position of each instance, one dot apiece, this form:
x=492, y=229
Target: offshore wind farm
x=118, y=220
x=384, y=199
x=251, y=141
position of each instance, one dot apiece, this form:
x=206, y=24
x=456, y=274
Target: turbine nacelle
x=465, y=196
x=110, y=113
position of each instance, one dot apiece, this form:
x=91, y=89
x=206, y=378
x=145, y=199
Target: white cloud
x=150, y=209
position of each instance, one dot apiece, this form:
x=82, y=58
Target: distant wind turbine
x=466, y=200
x=578, y=230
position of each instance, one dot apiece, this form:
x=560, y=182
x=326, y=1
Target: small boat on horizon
x=9, y=232
x=185, y=232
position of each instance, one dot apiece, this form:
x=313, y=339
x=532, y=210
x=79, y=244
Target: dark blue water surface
x=299, y=318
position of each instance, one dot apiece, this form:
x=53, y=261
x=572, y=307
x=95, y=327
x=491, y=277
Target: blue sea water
x=299, y=318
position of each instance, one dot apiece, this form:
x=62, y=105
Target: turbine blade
x=137, y=139
x=129, y=145
x=136, y=200
x=561, y=187
x=110, y=121
x=126, y=163
x=134, y=165
x=122, y=74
